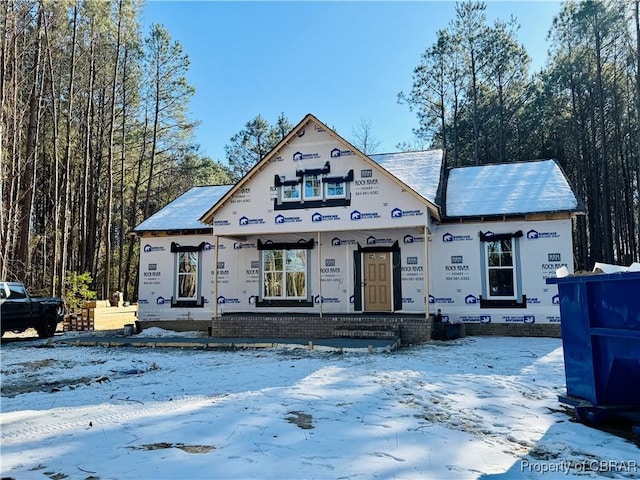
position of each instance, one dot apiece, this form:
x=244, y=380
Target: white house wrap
x=318, y=228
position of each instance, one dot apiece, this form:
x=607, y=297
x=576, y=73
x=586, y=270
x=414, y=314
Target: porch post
x=215, y=278
x=320, y=273
x=426, y=272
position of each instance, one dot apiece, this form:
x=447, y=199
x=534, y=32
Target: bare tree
x=363, y=137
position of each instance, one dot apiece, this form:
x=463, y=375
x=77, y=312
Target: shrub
x=77, y=289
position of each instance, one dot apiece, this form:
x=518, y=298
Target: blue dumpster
x=600, y=321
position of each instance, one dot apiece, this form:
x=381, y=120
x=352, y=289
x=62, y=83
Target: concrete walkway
x=327, y=344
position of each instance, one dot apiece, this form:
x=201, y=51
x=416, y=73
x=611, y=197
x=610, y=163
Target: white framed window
x=284, y=274
x=334, y=190
x=290, y=193
x=313, y=187
x=187, y=276
x=500, y=270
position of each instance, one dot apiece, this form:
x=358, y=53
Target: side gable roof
x=509, y=189
x=207, y=217
x=480, y=191
x=184, y=212
x=422, y=171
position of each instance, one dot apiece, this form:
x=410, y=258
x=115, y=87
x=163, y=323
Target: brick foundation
x=176, y=325
x=514, y=329
x=411, y=329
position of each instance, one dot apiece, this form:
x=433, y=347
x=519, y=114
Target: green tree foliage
x=593, y=88
x=472, y=96
x=470, y=87
x=471, y=32
x=437, y=94
x=253, y=142
x=507, y=68
x=165, y=95
x=77, y=289
x=194, y=169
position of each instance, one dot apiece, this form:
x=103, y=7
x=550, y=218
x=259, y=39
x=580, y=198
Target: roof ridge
x=405, y=152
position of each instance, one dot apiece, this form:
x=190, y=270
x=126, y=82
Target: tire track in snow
x=67, y=420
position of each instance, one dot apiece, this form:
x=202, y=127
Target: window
x=290, y=192
x=187, y=275
x=501, y=279
x=313, y=187
x=187, y=290
x=17, y=292
x=284, y=274
x=334, y=190
x=500, y=269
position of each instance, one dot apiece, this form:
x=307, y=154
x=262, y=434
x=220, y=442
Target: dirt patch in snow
x=31, y=376
x=11, y=390
x=181, y=446
x=300, y=419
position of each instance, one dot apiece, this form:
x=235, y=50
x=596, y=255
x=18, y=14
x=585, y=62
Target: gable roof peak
x=296, y=132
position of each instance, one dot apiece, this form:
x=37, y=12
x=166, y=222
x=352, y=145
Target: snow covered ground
x=477, y=407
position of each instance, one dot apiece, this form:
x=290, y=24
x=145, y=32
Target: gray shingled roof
x=508, y=189
x=502, y=189
x=418, y=170
x=184, y=212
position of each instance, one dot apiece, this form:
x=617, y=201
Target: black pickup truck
x=20, y=311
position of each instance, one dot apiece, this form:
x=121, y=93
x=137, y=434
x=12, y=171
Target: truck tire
x=48, y=327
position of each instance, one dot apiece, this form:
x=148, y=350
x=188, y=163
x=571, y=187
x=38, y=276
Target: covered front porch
x=333, y=273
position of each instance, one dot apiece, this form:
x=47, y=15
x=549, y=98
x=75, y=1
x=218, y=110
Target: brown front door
x=377, y=282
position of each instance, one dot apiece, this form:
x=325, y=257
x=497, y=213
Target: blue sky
x=341, y=61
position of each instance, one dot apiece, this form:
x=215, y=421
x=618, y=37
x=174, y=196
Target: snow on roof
x=185, y=211
x=418, y=170
x=513, y=188
x=501, y=189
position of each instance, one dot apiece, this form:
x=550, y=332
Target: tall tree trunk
x=97, y=207
x=501, y=127
x=67, y=157
x=56, y=165
x=474, y=98
x=456, y=128
x=578, y=135
x=5, y=216
x=108, y=230
x=595, y=188
x=27, y=190
x=154, y=139
x=605, y=204
x=29, y=273
x=3, y=69
x=636, y=16
x=134, y=209
x=123, y=156
x=85, y=253
x=10, y=239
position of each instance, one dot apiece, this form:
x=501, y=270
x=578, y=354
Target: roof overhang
x=530, y=216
